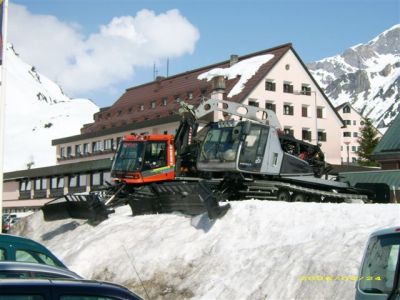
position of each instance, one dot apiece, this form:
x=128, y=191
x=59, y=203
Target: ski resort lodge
x=276, y=79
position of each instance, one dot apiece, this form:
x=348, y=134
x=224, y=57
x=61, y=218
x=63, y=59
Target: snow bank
x=258, y=250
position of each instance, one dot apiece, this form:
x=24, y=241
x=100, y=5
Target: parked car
x=16, y=248
x=66, y=289
x=8, y=223
x=12, y=269
x=379, y=276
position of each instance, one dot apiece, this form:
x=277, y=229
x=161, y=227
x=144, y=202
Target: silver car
x=12, y=269
x=379, y=276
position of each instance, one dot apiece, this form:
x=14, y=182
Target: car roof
x=386, y=231
x=14, y=239
x=35, y=267
x=72, y=285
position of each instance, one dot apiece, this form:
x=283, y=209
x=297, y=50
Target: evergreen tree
x=368, y=141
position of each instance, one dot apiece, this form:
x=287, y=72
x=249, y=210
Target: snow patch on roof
x=245, y=69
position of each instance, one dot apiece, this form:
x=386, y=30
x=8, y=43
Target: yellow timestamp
x=338, y=278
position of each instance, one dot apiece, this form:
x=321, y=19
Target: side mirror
x=246, y=127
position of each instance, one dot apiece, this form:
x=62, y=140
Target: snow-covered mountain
x=37, y=111
x=366, y=75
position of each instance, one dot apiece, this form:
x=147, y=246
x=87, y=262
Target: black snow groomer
x=79, y=206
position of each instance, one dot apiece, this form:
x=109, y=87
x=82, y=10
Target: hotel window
x=25, y=185
x=347, y=122
x=304, y=111
x=118, y=141
x=108, y=144
x=78, y=150
x=306, y=134
x=346, y=134
x=321, y=136
x=40, y=184
x=287, y=87
x=62, y=152
x=106, y=177
x=306, y=89
x=288, y=131
x=97, y=146
x=164, y=101
x=355, y=134
x=253, y=102
x=288, y=109
x=320, y=112
x=153, y=104
x=86, y=148
x=346, y=110
x=271, y=106
x=354, y=122
x=353, y=148
x=270, y=85
x=96, y=179
x=69, y=151
x=57, y=183
x=77, y=180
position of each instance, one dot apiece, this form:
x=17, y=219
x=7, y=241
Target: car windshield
x=129, y=157
x=379, y=266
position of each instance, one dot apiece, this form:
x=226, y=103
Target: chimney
x=218, y=84
x=234, y=59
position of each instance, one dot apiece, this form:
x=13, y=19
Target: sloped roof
x=126, y=110
x=65, y=169
x=390, y=142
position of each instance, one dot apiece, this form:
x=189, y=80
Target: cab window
x=2, y=254
x=381, y=259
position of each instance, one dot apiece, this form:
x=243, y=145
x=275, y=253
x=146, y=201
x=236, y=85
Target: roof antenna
x=155, y=71
x=167, y=66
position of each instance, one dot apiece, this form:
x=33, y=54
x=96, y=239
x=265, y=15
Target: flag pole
x=3, y=17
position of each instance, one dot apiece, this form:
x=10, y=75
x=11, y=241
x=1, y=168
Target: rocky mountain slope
x=366, y=75
x=37, y=111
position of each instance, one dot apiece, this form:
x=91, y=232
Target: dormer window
x=346, y=110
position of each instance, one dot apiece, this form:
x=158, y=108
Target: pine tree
x=368, y=141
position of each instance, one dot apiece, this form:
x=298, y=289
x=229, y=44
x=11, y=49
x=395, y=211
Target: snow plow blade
x=191, y=198
x=78, y=206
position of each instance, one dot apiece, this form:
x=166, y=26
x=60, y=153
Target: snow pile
x=245, y=69
x=36, y=112
x=258, y=250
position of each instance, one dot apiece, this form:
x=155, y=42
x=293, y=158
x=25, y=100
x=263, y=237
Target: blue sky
x=317, y=29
